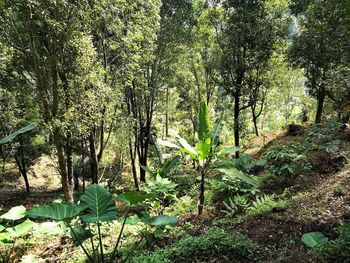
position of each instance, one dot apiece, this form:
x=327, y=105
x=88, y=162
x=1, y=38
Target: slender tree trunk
x=255, y=125
x=133, y=165
x=22, y=167
x=201, y=191
x=167, y=113
x=320, y=102
x=236, y=121
x=93, y=158
x=66, y=183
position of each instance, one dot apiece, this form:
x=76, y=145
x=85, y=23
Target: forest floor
x=317, y=200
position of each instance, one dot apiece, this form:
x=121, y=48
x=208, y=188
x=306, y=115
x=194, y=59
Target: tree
x=247, y=36
x=318, y=45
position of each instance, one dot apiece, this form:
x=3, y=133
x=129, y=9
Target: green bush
x=215, y=244
x=287, y=161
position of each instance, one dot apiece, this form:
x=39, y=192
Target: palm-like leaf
x=100, y=206
x=217, y=131
x=238, y=174
x=169, y=165
x=56, y=211
x=203, y=122
x=12, y=136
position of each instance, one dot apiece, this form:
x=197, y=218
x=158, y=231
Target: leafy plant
x=96, y=207
x=235, y=204
x=287, y=162
x=265, y=204
x=337, y=250
x=206, y=152
x=213, y=245
x=12, y=230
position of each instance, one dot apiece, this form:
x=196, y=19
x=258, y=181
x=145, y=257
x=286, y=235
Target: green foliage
x=287, y=161
x=97, y=206
x=212, y=245
x=183, y=205
x=235, y=205
x=337, y=250
x=313, y=239
x=12, y=136
x=265, y=204
x=15, y=213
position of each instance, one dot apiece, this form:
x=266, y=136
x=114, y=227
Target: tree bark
x=320, y=102
x=93, y=158
x=236, y=121
x=201, y=192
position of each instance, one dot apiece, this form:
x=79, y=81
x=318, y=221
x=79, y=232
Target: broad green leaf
x=79, y=235
x=133, y=198
x=100, y=206
x=162, y=220
x=15, y=213
x=203, y=122
x=313, y=239
x=217, y=131
x=56, y=211
x=228, y=150
x=21, y=229
x=169, y=165
x=187, y=148
x=147, y=170
x=1, y=228
x=158, y=232
x=167, y=144
x=131, y=220
x=48, y=228
x=203, y=148
x=238, y=174
x=12, y=136
x=5, y=238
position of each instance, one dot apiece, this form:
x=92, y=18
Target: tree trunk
x=93, y=158
x=236, y=121
x=201, y=192
x=62, y=166
x=22, y=169
x=255, y=126
x=133, y=166
x=320, y=101
x=167, y=113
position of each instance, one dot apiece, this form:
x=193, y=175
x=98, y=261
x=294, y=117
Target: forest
x=159, y=131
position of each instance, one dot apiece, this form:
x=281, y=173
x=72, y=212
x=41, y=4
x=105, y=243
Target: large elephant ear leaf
x=56, y=211
x=100, y=206
x=15, y=213
x=134, y=198
x=12, y=136
x=203, y=122
x=162, y=220
x=313, y=239
x=79, y=235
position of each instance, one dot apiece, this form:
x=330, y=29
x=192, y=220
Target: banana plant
x=96, y=207
x=207, y=151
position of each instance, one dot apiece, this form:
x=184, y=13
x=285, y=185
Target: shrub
x=287, y=162
x=215, y=244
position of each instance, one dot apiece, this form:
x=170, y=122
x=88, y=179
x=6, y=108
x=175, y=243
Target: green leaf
x=12, y=136
x=187, y=148
x=79, y=235
x=169, y=165
x=131, y=220
x=5, y=239
x=313, y=239
x=203, y=148
x=133, y=198
x=238, y=174
x=15, y=213
x=228, y=150
x=21, y=229
x=203, y=122
x=100, y=206
x=162, y=220
x=167, y=144
x=48, y=228
x=158, y=232
x=147, y=170
x=1, y=228
x=56, y=211
x=214, y=140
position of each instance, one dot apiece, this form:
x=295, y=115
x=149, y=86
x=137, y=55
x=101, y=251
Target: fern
x=265, y=204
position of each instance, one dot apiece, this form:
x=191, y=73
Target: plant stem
x=100, y=241
x=81, y=245
x=120, y=235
